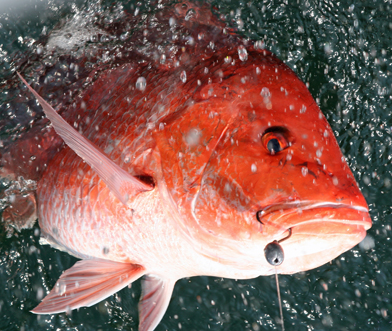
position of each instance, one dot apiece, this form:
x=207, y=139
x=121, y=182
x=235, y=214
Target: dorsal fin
x=120, y=182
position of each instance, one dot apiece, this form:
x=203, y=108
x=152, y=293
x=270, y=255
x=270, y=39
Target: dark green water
x=343, y=50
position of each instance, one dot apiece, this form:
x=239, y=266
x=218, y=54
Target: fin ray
x=87, y=283
x=120, y=182
x=156, y=294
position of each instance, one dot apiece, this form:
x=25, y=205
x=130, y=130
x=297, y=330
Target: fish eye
x=275, y=140
x=273, y=146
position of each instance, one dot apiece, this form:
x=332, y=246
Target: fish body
x=213, y=157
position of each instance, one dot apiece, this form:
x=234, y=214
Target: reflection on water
x=342, y=51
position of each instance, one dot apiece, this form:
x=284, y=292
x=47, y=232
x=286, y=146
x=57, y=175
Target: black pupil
x=273, y=146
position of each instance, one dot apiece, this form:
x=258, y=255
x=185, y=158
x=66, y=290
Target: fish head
x=259, y=161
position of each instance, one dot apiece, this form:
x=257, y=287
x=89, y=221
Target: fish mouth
x=287, y=215
x=313, y=233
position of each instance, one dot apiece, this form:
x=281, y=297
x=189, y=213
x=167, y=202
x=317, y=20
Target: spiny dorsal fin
x=87, y=283
x=156, y=294
x=120, y=183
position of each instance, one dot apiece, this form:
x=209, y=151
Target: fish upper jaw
x=276, y=219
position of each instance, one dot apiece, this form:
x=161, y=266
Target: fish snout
x=328, y=183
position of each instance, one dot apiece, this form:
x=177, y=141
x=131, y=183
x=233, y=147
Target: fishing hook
x=257, y=216
x=287, y=237
x=278, y=241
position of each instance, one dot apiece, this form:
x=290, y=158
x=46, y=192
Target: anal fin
x=156, y=294
x=87, y=283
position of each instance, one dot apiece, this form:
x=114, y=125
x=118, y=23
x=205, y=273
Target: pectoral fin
x=87, y=283
x=156, y=294
x=121, y=183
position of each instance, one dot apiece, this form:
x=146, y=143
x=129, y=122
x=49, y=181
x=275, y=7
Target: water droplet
x=265, y=93
x=190, y=40
x=141, y=84
x=40, y=293
x=303, y=109
x=190, y=14
x=367, y=243
x=193, y=137
x=172, y=21
x=162, y=60
x=304, y=171
x=240, y=23
x=242, y=53
x=183, y=76
x=253, y=168
x=161, y=126
x=335, y=180
x=328, y=49
x=259, y=44
x=62, y=288
x=68, y=310
x=227, y=59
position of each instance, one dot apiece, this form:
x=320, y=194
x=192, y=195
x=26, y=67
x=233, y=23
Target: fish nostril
x=274, y=253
